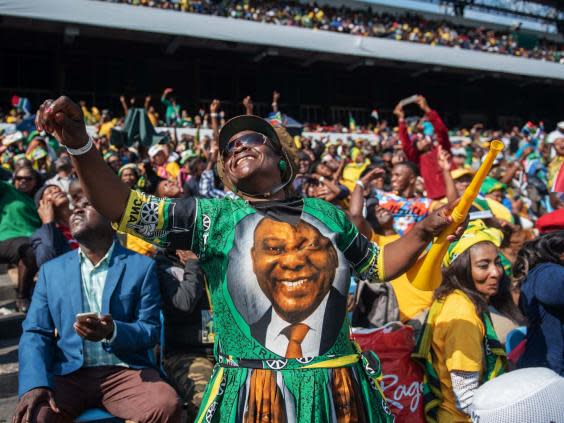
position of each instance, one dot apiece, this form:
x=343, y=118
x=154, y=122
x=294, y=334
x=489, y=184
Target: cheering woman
x=277, y=267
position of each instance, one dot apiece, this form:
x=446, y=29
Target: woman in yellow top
x=458, y=347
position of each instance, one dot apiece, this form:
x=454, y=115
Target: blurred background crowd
x=405, y=27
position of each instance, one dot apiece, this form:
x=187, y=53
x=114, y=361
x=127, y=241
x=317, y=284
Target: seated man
x=69, y=364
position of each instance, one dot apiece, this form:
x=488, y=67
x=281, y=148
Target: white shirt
x=277, y=342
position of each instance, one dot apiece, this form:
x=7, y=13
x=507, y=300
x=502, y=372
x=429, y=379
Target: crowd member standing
x=289, y=258
x=423, y=149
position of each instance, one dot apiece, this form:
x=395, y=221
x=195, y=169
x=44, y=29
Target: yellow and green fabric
x=256, y=258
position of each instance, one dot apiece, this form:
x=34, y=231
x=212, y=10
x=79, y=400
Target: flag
x=21, y=104
x=558, y=185
x=276, y=119
x=352, y=123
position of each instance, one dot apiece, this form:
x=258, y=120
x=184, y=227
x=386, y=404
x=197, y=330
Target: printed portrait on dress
x=289, y=284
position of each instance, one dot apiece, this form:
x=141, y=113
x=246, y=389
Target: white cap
x=155, y=149
x=556, y=134
x=12, y=138
x=529, y=395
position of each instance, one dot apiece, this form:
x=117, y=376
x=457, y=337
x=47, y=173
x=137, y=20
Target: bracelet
x=213, y=115
x=360, y=184
x=82, y=150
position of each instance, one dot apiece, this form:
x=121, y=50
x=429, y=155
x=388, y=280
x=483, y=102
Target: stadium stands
x=407, y=27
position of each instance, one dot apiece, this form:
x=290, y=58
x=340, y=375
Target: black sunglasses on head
x=252, y=139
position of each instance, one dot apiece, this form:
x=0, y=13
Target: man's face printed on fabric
x=294, y=265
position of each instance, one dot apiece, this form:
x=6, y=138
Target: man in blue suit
x=70, y=364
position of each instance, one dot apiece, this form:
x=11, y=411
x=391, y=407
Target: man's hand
x=46, y=211
x=62, y=118
x=214, y=106
x=95, y=330
x=26, y=408
x=437, y=221
x=422, y=103
x=398, y=111
x=275, y=97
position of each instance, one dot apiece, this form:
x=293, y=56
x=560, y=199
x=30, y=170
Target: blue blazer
x=131, y=295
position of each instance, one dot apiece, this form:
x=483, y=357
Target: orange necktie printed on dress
x=295, y=334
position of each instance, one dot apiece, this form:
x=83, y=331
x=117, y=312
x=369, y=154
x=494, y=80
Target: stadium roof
x=268, y=38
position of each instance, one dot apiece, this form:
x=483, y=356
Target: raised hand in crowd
x=443, y=159
x=248, y=103
x=214, y=115
x=422, y=103
x=30, y=401
x=63, y=119
x=275, y=98
x=398, y=111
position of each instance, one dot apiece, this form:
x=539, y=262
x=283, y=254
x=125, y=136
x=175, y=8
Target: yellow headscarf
x=476, y=232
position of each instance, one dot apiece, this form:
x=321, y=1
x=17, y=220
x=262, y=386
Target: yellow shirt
x=106, y=128
x=457, y=344
x=172, y=169
x=352, y=172
x=140, y=246
x=153, y=118
x=411, y=301
x=553, y=168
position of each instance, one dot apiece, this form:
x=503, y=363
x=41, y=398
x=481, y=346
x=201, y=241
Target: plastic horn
x=426, y=273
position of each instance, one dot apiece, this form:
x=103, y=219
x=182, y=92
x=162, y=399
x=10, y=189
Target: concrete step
x=10, y=323
x=7, y=287
x=8, y=367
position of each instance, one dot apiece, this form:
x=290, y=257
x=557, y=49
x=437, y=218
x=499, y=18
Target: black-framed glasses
x=252, y=139
x=23, y=178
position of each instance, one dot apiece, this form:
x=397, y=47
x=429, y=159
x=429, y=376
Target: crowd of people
x=266, y=276
x=404, y=27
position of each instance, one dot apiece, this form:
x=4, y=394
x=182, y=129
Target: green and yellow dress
x=278, y=276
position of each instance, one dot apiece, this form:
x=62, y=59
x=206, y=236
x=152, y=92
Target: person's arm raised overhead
x=444, y=164
x=214, y=114
x=248, y=103
x=406, y=144
x=275, y=98
x=64, y=120
x=123, y=105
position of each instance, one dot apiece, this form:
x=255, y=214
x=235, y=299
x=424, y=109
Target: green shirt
x=18, y=214
x=278, y=276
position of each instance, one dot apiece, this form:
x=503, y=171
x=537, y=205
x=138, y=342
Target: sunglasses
x=253, y=139
x=24, y=178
